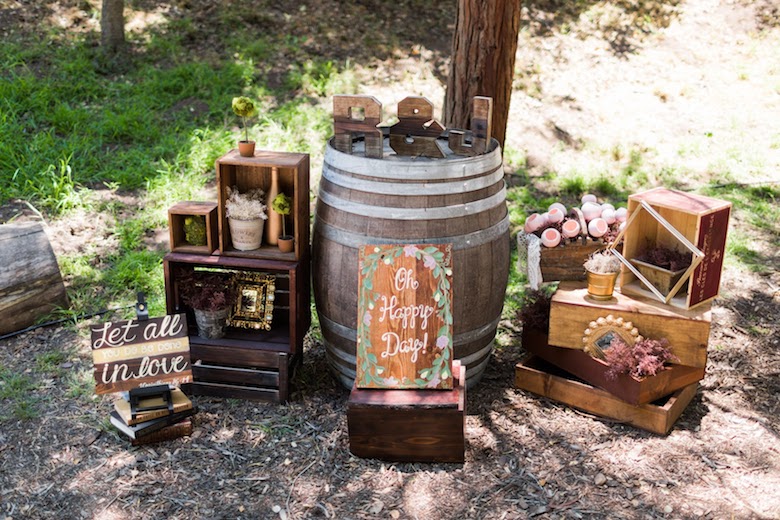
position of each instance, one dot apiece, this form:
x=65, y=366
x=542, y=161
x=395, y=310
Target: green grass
x=152, y=124
x=18, y=396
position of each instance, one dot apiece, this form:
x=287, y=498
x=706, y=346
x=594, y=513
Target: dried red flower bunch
x=206, y=291
x=646, y=358
x=535, y=309
x=666, y=258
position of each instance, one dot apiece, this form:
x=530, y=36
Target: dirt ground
x=702, y=67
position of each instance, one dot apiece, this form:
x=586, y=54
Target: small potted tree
x=602, y=269
x=281, y=205
x=246, y=215
x=211, y=296
x=245, y=108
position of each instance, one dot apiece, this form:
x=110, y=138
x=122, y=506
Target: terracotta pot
x=601, y=285
x=246, y=148
x=211, y=324
x=246, y=235
x=286, y=244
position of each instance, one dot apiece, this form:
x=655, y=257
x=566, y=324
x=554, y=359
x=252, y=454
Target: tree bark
x=483, y=61
x=112, y=25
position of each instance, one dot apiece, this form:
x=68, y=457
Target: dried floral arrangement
x=666, y=258
x=535, y=308
x=245, y=206
x=644, y=359
x=602, y=262
x=207, y=290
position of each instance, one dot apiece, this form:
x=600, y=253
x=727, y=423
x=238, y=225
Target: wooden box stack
x=254, y=364
x=409, y=425
x=561, y=368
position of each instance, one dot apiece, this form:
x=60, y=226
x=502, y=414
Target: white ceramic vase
x=246, y=234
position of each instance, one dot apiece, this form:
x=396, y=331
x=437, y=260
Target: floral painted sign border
x=404, y=333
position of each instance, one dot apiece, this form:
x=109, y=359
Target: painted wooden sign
x=132, y=354
x=405, y=317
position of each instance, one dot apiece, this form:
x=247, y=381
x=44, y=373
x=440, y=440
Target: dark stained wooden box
x=409, y=425
x=247, y=363
x=541, y=378
x=180, y=211
x=255, y=172
x=594, y=372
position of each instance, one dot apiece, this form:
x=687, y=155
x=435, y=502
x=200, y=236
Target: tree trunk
x=483, y=61
x=112, y=25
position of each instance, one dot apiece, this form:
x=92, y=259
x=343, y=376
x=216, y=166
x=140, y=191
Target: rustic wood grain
x=481, y=129
x=30, y=281
x=255, y=172
x=176, y=215
x=703, y=221
x=593, y=371
x=688, y=331
x=536, y=376
x=484, y=46
x=346, y=124
x=409, y=425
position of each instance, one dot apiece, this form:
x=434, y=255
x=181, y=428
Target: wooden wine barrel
x=405, y=200
x=30, y=281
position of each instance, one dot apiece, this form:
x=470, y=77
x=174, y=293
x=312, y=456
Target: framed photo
x=254, y=308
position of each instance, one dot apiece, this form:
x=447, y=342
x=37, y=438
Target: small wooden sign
x=134, y=353
x=405, y=317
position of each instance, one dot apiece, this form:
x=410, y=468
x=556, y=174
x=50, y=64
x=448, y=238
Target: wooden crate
x=703, y=221
x=246, y=363
x=255, y=172
x=687, y=330
x=593, y=371
x=409, y=425
x=176, y=215
x=253, y=374
x=565, y=262
x=541, y=378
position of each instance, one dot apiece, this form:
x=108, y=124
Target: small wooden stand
x=409, y=425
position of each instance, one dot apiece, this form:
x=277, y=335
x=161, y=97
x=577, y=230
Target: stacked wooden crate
x=560, y=366
x=254, y=364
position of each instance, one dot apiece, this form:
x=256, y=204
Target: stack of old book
x=154, y=420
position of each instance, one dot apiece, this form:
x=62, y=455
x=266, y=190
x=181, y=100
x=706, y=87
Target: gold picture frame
x=600, y=333
x=254, y=307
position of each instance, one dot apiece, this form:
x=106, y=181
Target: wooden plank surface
x=687, y=330
x=409, y=425
x=30, y=281
x=405, y=316
x=594, y=372
x=536, y=376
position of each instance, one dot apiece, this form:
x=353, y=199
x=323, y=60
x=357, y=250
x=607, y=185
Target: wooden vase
x=273, y=226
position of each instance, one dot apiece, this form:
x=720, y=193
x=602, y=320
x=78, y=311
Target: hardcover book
x=139, y=430
x=174, y=431
x=180, y=403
